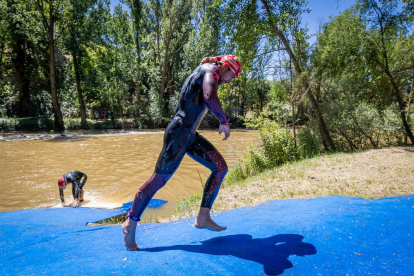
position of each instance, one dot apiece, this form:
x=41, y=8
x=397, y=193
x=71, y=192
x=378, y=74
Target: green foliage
x=8, y=124
x=134, y=62
x=363, y=64
x=278, y=92
x=362, y=126
x=277, y=147
x=309, y=142
x=27, y=124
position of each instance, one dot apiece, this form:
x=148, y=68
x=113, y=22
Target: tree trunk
x=321, y=122
x=396, y=92
x=84, y=124
x=292, y=102
x=329, y=145
x=409, y=104
x=24, y=96
x=170, y=87
x=137, y=13
x=293, y=123
x=19, y=60
x=138, y=89
x=157, y=18
x=165, y=63
x=402, y=110
x=163, y=73
x=56, y=107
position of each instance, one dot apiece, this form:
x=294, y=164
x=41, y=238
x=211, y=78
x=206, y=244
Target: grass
x=368, y=174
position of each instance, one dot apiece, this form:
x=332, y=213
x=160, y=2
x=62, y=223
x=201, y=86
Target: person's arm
x=62, y=197
x=210, y=59
x=210, y=86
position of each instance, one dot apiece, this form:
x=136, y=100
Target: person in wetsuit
x=199, y=93
x=78, y=180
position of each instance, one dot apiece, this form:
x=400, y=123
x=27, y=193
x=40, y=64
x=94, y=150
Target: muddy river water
x=116, y=163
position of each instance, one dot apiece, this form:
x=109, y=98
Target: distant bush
x=8, y=124
x=26, y=124
x=72, y=124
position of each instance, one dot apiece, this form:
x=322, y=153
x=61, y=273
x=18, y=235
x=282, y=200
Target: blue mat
x=327, y=236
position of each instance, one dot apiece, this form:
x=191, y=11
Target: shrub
x=363, y=126
x=277, y=147
x=8, y=124
x=26, y=124
x=309, y=142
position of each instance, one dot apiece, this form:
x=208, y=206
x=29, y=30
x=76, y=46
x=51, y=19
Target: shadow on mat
x=271, y=252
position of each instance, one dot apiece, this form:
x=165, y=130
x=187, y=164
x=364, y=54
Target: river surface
x=116, y=163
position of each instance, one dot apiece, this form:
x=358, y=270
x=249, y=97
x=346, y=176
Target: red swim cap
x=233, y=62
x=62, y=182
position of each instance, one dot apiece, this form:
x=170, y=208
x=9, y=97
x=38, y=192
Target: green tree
x=277, y=20
x=362, y=55
x=171, y=23
x=54, y=13
x=119, y=56
x=84, y=29
x=386, y=24
x=20, y=40
x=136, y=7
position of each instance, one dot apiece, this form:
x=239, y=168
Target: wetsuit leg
x=175, y=143
x=202, y=151
x=73, y=191
x=145, y=193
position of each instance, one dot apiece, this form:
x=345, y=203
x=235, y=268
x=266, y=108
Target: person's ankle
x=130, y=221
x=204, y=212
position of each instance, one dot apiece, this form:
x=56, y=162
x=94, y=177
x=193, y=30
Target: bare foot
x=204, y=221
x=129, y=227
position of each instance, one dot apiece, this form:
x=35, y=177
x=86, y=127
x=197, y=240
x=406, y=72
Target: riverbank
x=371, y=174
x=45, y=123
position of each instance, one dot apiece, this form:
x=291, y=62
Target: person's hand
x=226, y=129
x=75, y=203
x=208, y=60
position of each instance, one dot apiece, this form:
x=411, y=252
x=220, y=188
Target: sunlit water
x=116, y=164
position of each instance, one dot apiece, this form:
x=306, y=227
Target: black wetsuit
x=198, y=94
x=78, y=180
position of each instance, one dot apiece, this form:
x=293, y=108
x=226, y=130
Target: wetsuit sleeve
x=210, y=86
x=62, y=198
